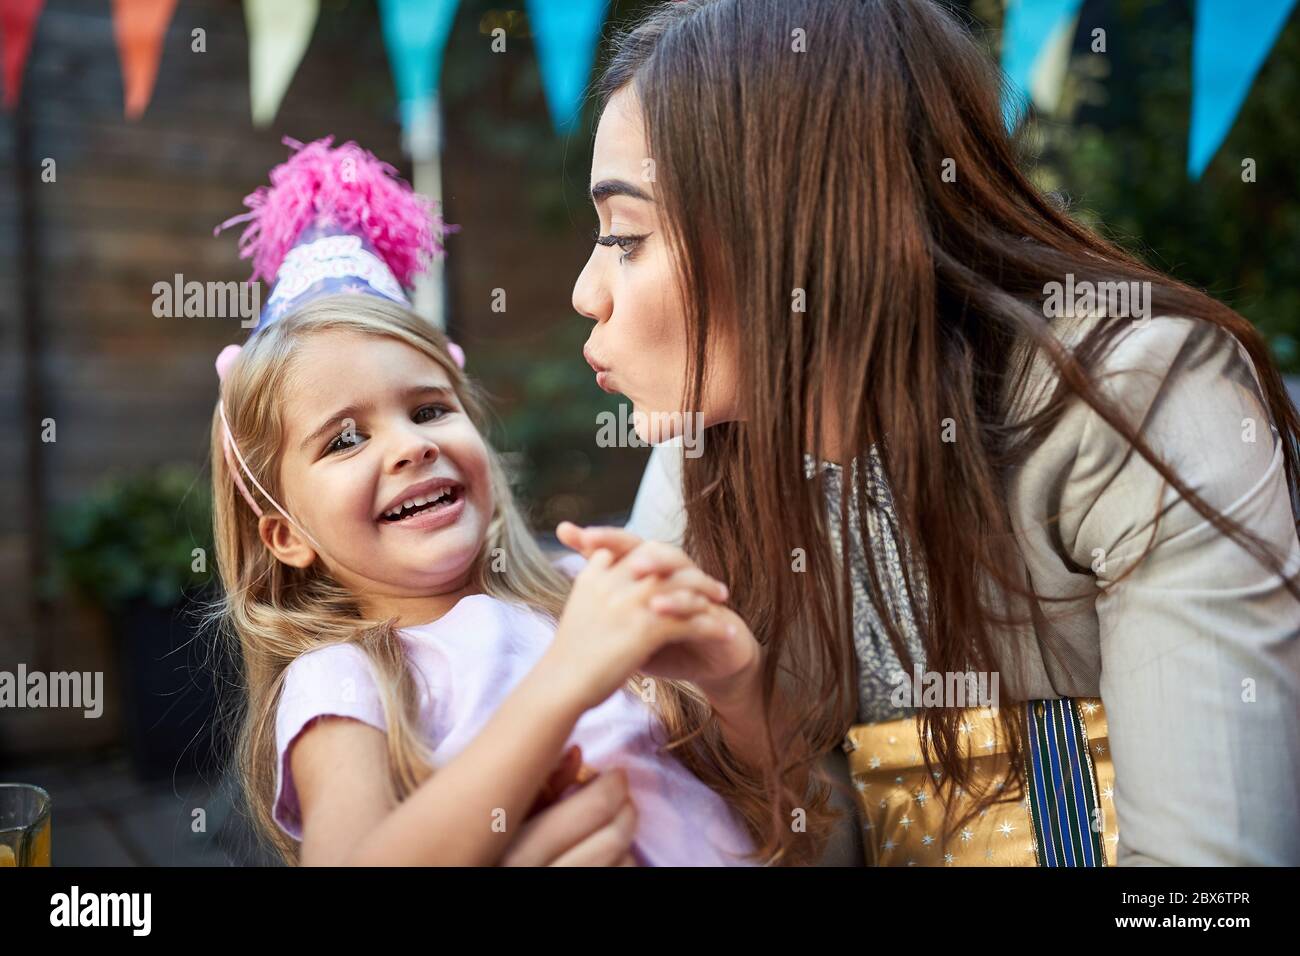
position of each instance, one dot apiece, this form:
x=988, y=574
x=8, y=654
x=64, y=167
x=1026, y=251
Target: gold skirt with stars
x=1066, y=818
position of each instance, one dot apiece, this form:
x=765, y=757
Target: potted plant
x=140, y=548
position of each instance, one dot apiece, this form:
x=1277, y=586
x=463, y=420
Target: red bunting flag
x=140, y=26
x=18, y=25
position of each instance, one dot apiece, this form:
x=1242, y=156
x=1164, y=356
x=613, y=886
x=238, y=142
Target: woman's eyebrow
x=617, y=187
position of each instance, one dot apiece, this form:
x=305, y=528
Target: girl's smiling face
x=371, y=424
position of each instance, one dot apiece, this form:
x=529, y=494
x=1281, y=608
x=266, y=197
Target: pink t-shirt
x=470, y=660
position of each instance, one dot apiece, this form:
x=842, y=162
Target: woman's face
x=630, y=289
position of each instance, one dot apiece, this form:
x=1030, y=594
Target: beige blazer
x=1196, y=653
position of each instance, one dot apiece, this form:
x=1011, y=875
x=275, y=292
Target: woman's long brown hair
x=779, y=170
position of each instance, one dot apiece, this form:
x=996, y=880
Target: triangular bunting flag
x=415, y=34
x=18, y=23
x=278, y=34
x=1048, y=79
x=140, y=26
x=1232, y=40
x=1027, y=30
x=566, y=33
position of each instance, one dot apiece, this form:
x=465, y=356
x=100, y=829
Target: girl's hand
x=722, y=656
x=585, y=541
x=609, y=630
x=720, y=669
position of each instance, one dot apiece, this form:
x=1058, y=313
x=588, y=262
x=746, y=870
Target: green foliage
x=132, y=539
x=552, y=420
x=1117, y=148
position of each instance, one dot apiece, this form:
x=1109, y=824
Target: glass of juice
x=24, y=825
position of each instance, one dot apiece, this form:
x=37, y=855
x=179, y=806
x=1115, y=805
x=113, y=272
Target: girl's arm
x=466, y=813
x=346, y=760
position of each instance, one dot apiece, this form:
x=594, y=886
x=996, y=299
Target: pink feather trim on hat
x=350, y=187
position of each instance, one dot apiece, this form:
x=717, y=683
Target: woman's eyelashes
x=629, y=244
x=350, y=438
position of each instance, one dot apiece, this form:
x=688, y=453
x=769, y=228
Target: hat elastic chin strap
x=232, y=449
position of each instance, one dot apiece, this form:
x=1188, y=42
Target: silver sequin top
x=880, y=671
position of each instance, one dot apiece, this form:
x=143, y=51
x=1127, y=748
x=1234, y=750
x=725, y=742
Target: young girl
x=414, y=665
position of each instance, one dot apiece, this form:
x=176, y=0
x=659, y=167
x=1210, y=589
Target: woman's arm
x=658, y=512
x=743, y=722
x=1200, y=644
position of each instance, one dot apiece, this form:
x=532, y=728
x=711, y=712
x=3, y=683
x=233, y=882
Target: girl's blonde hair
x=276, y=613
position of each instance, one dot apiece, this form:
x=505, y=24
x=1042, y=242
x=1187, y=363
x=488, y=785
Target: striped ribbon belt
x=1066, y=817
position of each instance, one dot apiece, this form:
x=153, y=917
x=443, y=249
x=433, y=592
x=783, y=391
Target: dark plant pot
x=170, y=673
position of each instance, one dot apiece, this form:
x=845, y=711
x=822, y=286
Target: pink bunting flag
x=18, y=26
x=140, y=26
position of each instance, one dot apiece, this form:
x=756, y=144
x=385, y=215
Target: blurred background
x=106, y=408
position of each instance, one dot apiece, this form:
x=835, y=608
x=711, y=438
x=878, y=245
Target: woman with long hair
x=954, y=440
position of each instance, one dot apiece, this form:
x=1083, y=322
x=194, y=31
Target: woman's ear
x=284, y=542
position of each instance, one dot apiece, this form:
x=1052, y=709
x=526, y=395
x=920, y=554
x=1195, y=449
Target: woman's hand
x=724, y=663
x=593, y=827
x=609, y=630
x=725, y=658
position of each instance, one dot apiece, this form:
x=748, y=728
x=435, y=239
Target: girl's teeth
x=418, y=502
